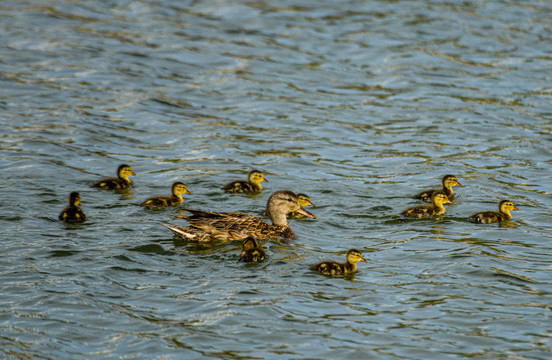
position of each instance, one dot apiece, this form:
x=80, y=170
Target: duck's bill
x=306, y=213
x=363, y=260
x=514, y=208
x=457, y=183
x=265, y=180
x=132, y=173
x=187, y=192
x=448, y=202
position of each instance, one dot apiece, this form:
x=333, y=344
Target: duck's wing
x=111, y=184
x=329, y=268
x=157, y=202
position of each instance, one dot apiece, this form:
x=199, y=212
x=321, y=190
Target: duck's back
x=72, y=214
x=487, y=217
x=161, y=202
x=329, y=268
x=111, y=184
x=239, y=186
x=419, y=211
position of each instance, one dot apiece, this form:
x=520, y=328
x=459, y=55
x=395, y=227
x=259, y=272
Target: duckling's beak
x=448, y=202
x=187, y=192
x=265, y=180
x=458, y=183
x=311, y=204
x=306, y=213
x=78, y=202
x=362, y=260
x=514, y=208
x=132, y=173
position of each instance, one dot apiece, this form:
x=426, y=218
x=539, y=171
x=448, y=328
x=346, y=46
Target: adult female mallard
x=303, y=199
x=207, y=226
x=159, y=202
x=503, y=213
x=251, y=251
x=439, y=198
x=120, y=182
x=252, y=184
x=448, y=182
x=336, y=268
x=73, y=213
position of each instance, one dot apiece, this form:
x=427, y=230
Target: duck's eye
x=289, y=199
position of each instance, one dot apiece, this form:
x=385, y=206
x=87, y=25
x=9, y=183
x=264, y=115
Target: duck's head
x=505, y=206
x=281, y=203
x=256, y=177
x=449, y=181
x=439, y=198
x=74, y=199
x=304, y=200
x=124, y=171
x=179, y=188
x=249, y=243
x=354, y=256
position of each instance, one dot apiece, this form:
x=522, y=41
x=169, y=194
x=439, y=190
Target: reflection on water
x=358, y=105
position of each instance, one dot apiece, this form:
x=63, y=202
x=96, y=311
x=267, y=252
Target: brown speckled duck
x=503, y=213
x=73, y=213
x=336, y=268
x=251, y=185
x=448, y=182
x=159, y=202
x=439, y=198
x=206, y=226
x=251, y=251
x=120, y=182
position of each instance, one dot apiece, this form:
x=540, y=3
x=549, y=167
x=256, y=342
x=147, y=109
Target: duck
x=160, y=202
x=503, y=213
x=439, y=198
x=448, y=182
x=304, y=200
x=73, y=213
x=120, y=182
x=336, y=268
x=208, y=226
x=251, y=185
x=251, y=251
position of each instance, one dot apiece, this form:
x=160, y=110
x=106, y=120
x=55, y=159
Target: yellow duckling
x=336, y=268
x=73, y=213
x=252, y=184
x=120, y=182
x=439, y=198
x=159, y=202
x=503, y=213
x=251, y=252
x=448, y=182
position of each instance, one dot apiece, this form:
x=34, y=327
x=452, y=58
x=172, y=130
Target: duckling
x=120, y=182
x=208, y=226
x=159, y=202
x=503, y=213
x=251, y=252
x=448, y=182
x=252, y=184
x=303, y=199
x=335, y=268
x=439, y=198
x=73, y=213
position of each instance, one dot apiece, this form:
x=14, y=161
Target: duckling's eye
x=289, y=199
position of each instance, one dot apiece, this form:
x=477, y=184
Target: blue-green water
x=359, y=104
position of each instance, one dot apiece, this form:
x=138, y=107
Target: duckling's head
x=124, y=171
x=449, y=181
x=505, y=206
x=304, y=200
x=281, y=203
x=249, y=243
x=354, y=256
x=255, y=177
x=439, y=198
x=179, y=188
x=74, y=199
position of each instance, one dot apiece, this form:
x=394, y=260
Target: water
x=358, y=104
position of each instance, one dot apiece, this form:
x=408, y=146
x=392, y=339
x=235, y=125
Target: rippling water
x=359, y=104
